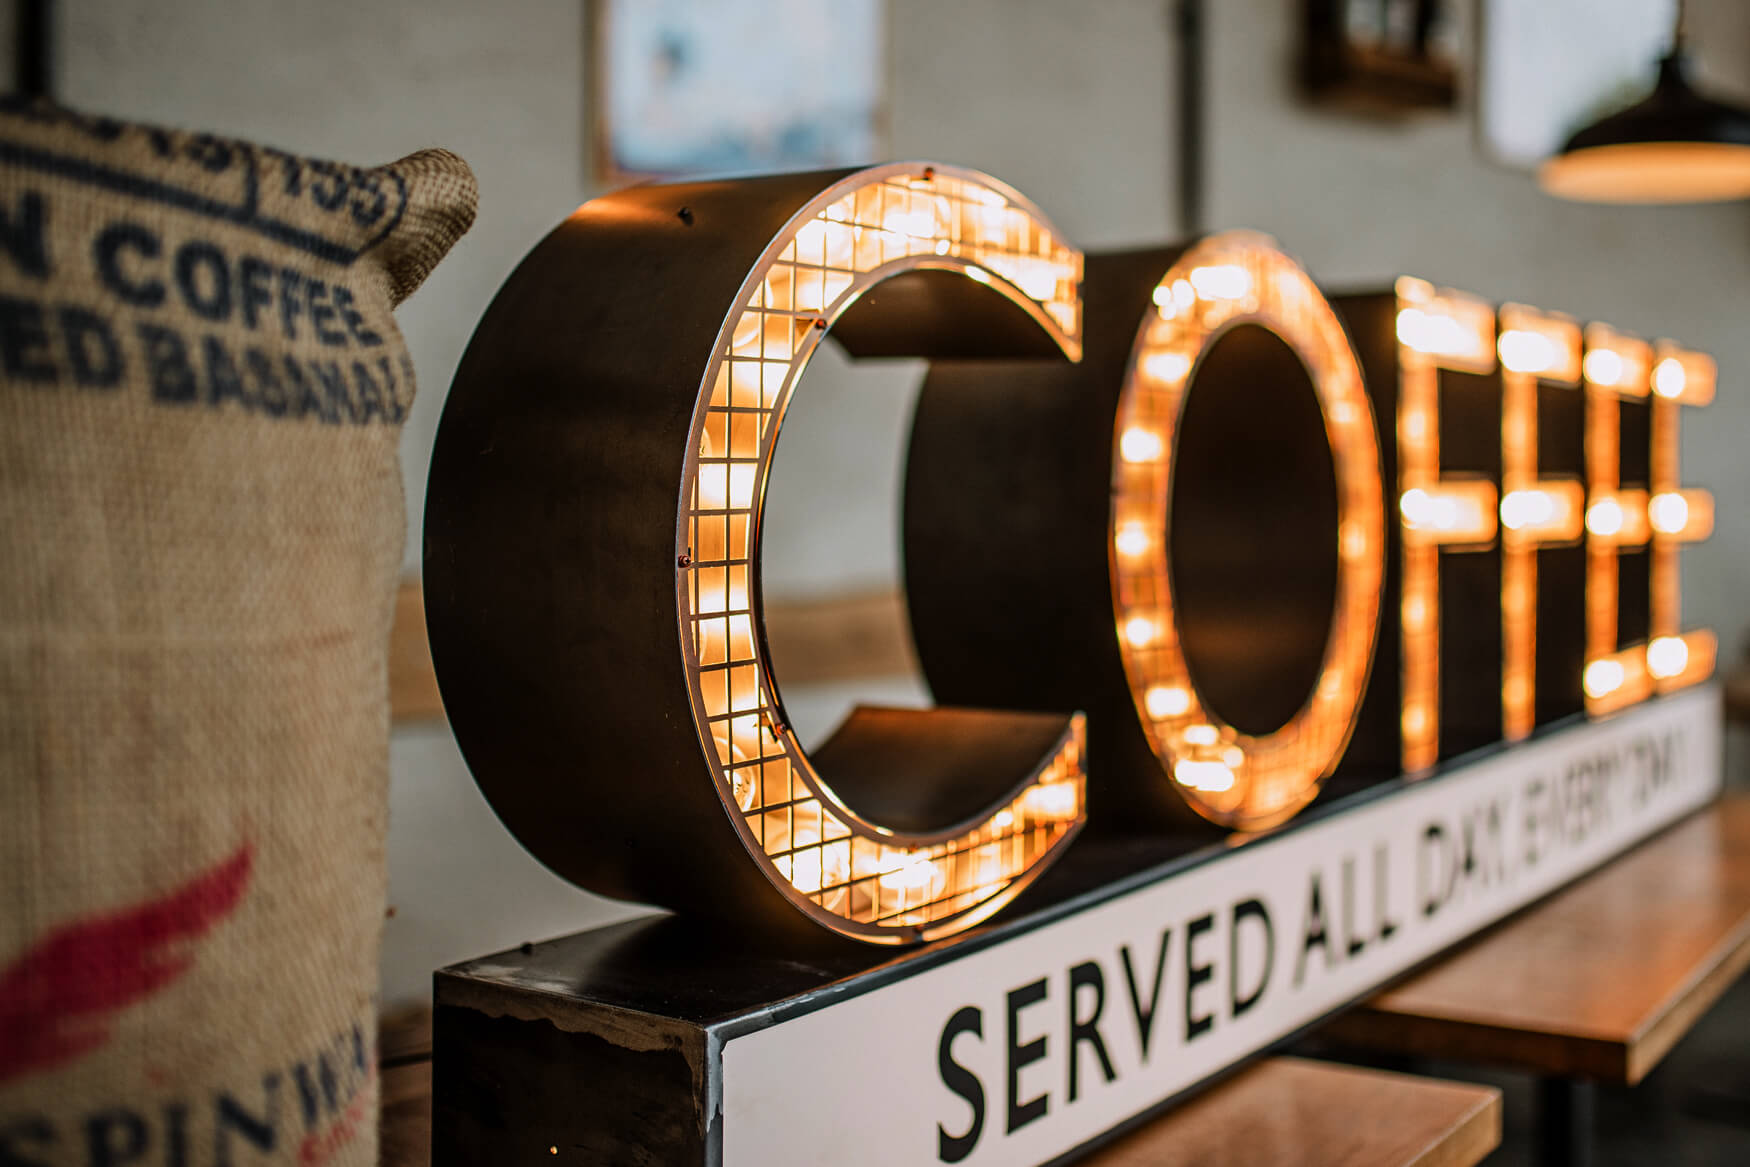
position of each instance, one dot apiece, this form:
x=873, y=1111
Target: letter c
x=107, y=251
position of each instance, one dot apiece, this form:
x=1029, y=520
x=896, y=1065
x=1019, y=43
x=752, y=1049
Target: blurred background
x=1084, y=107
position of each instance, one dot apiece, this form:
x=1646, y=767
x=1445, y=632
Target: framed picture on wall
x=699, y=86
x=1546, y=69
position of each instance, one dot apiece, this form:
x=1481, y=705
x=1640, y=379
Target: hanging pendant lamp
x=1676, y=146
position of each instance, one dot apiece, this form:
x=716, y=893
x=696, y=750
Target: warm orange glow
x=1684, y=515
x=1164, y=701
x=1207, y=777
x=1132, y=539
x=1616, y=366
x=1444, y=324
x=1536, y=348
x=1669, y=378
x=1650, y=172
x=1604, y=367
x=1604, y=677
x=1675, y=658
x=1166, y=367
x=864, y=879
x=1550, y=513
x=1525, y=351
x=1225, y=281
x=1667, y=656
x=1458, y=511
x=1140, y=445
x=1618, y=518
x=1437, y=328
x=1238, y=779
x=1140, y=631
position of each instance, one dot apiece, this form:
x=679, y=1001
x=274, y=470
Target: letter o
x=1047, y=582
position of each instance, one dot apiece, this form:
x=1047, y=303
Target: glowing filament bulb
x=1139, y=631
x=1432, y=332
x=1669, y=513
x=1039, y=280
x=1166, y=367
x=1421, y=509
x=714, y=487
x=1165, y=701
x=1603, y=366
x=1524, y=351
x=1141, y=445
x=1201, y=735
x=1603, y=677
x=1132, y=540
x=1604, y=519
x=978, y=275
x=1667, y=656
x=1052, y=800
x=1669, y=378
x=905, y=872
x=1184, y=295
x=1527, y=508
x=919, y=223
x=1224, y=281
x=1211, y=777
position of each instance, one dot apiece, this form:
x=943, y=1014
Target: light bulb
x=1211, y=777
x=1603, y=366
x=1140, y=445
x=1524, y=351
x=1221, y=281
x=1132, y=540
x=1603, y=677
x=1667, y=656
x=1605, y=518
x=1669, y=378
x=1165, y=701
x=1669, y=513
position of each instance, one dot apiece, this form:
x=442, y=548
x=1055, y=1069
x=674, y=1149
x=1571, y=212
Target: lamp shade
x=1676, y=146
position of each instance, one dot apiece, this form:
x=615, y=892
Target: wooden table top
x=1295, y=1113
x=1600, y=980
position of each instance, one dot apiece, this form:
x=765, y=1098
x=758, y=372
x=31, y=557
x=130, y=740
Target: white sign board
x=1025, y=1050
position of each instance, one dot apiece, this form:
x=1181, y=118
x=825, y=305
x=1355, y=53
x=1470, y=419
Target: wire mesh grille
x=1236, y=778
x=893, y=219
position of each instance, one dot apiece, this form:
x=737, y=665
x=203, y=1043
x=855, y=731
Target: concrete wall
x=1070, y=102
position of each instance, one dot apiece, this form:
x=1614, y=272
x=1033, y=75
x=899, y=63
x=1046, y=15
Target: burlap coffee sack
x=201, y=523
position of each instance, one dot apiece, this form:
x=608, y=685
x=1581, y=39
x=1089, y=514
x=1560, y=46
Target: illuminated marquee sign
x=1172, y=541
x=593, y=525
x=1167, y=510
